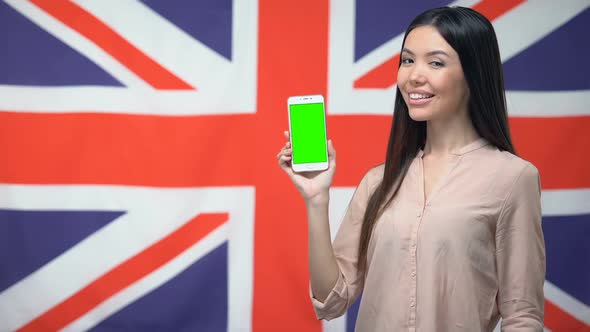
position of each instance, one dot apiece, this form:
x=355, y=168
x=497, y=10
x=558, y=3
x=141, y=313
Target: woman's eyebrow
x=431, y=53
x=437, y=52
x=405, y=50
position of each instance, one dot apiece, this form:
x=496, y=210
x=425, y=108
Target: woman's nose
x=417, y=75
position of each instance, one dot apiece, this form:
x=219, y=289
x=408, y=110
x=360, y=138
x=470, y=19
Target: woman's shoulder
x=509, y=164
x=372, y=177
x=509, y=170
x=375, y=173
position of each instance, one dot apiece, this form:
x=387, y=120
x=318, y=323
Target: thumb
x=331, y=151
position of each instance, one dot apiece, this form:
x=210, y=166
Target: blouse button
x=418, y=214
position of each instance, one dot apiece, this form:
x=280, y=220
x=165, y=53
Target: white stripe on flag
x=150, y=214
x=79, y=43
x=565, y=202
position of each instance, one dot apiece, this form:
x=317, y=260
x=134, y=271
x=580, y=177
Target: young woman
x=446, y=235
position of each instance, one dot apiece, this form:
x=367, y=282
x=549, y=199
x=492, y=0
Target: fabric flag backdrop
x=139, y=186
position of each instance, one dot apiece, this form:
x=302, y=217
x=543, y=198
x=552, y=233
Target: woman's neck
x=446, y=135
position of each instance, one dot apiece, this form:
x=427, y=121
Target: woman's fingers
x=285, y=155
x=287, y=147
x=285, y=163
x=285, y=151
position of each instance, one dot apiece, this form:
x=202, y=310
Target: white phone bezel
x=309, y=99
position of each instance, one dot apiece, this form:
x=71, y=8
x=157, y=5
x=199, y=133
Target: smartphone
x=307, y=126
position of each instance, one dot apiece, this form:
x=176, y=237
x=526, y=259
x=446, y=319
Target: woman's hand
x=313, y=186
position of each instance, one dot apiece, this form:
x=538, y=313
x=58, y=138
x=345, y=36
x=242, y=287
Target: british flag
x=139, y=189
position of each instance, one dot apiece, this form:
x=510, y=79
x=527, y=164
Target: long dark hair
x=472, y=36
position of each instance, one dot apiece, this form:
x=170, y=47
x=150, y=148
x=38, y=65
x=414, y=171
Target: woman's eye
x=437, y=64
x=406, y=61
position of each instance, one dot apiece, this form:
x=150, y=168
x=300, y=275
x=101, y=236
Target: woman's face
x=431, y=78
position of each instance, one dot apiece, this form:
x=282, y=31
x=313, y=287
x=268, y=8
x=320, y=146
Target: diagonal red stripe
x=558, y=320
x=380, y=77
x=111, y=42
x=385, y=75
x=127, y=273
x=493, y=9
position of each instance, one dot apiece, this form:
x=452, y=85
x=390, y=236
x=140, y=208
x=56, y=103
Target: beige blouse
x=472, y=253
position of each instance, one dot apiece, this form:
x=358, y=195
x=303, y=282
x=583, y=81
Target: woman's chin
x=419, y=115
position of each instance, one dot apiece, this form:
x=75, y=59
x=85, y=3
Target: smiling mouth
x=419, y=96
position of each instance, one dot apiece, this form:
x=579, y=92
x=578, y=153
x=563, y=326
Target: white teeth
x=419, y=96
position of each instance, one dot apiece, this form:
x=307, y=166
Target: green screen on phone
x=308, y=133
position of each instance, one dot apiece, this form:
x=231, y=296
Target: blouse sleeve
x=520, y=255
x=349, y=283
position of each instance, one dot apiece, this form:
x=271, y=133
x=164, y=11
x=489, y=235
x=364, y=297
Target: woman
x=446, y=235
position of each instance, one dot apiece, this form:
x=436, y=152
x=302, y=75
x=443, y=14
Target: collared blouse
x=471, y=253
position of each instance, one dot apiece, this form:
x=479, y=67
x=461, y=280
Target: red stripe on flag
x=127, y=273
x=556, y=146
x=549, y=143
x=111, y=42
x=493, y=9
x=385, y=75
x=380, y=77
x=121, y=149
x=293, y=60
x=127, y=149
x=358, y=152
x=169, y=151
x=558, y=320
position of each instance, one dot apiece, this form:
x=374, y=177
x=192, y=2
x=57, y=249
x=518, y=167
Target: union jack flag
x=138, y=185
